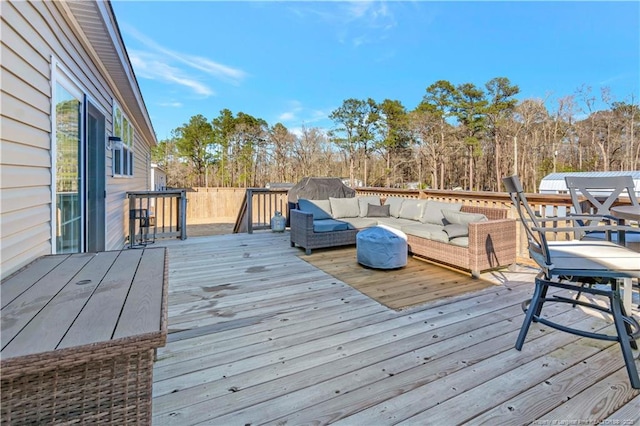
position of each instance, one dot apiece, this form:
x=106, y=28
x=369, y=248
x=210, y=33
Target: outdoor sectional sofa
x=467, y=237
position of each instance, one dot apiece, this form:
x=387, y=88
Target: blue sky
x=295, y=62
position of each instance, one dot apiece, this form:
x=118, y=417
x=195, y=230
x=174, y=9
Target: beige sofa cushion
x=364, y=202
x=428, y=231
x=395, y=203
x=360, y=222
x=412, y=209
x=395, y=222
x=433, y=211
x=344, y=207
x=462, y=218
x=321, y=209
x=455, y=230
x=460, y=241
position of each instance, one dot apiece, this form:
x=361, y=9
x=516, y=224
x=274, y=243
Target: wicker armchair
x=302, y=233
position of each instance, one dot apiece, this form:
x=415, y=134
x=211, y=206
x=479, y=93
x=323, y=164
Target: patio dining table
x=624, y=213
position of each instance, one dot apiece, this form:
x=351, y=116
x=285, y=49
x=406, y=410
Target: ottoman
x=381, y=247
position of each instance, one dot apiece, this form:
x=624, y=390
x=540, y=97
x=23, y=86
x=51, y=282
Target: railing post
x=249, y=211
x=132, y=222
x=182, y=216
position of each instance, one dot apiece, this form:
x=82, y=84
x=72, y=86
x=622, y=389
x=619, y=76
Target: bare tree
x=501, y=104
x=306, y=150
x=281, y=142
x=425, y=128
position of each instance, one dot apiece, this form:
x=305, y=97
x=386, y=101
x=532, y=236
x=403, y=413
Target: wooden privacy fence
x=214, y=205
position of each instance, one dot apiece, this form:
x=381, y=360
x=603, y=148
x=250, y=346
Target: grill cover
x=317, y=188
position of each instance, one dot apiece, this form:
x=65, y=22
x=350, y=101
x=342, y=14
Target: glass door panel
x=69, y=173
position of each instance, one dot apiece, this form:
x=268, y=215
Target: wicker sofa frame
x=492, y=243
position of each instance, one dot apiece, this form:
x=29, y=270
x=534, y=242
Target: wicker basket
x=95, y=385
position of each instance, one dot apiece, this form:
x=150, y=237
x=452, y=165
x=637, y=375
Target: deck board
x=286, y=343
x=142, y=310
x=61, y=311
x=100, y=317
x=29, y=303
x=15, y=285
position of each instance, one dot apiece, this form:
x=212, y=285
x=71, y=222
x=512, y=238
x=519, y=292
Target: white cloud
x=358, y=41
x=170, y=66
x=174, y=104
x=299, y=115
x=356, y=22
x=151, y=66
x=367, y=21
x=317, y=115
x=295, y=107
x=287, y=116
x=612, y=79
x=362, y=9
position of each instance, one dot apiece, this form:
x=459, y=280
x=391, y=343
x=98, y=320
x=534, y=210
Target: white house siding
x=31, y=34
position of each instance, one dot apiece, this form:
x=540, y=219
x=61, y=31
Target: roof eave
x=96, y=22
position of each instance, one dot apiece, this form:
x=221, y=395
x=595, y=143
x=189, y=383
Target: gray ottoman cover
x=381, y=247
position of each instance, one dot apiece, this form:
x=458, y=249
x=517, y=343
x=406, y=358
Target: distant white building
x=357, y=183
x=554, y=183
x=158, y=178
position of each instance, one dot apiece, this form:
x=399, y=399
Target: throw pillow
x=378, y=211
x=433, y=211
x=462, y=218
x=344, y=207
x=365, y=201
x=394, y=205
x=321, y=209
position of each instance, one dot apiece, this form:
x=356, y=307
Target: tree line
x=458, y=136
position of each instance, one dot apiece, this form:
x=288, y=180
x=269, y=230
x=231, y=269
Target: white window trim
x=128, y=150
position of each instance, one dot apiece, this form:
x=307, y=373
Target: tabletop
x=626, y=212
x=83, y=300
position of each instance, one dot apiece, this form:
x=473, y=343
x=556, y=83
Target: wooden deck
x=259, y=336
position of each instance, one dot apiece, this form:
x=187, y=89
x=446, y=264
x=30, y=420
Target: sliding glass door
x=96, y=185
x=79, y=173
x=69, y=173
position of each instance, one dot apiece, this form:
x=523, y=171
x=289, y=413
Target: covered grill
x=318, y=188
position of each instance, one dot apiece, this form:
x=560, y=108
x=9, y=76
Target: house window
x=122, y=155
